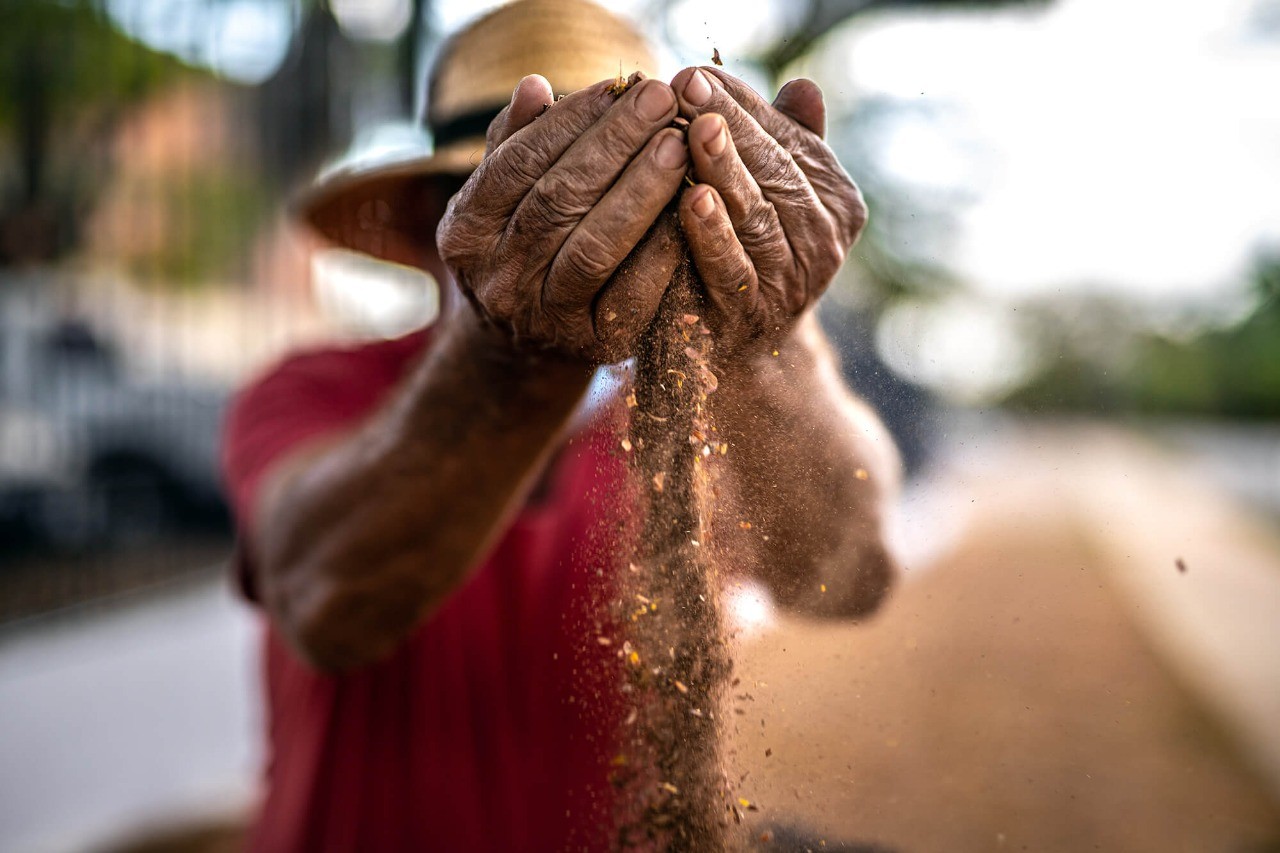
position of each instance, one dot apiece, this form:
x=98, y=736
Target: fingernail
x=671, y=152
x=704, y=204
x=654, y=101
x=697, y=90
x=719, y=141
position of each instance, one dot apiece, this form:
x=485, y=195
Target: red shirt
x=490, y=728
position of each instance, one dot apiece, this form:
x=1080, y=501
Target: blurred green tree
x=66, y=76
x=1231, y=372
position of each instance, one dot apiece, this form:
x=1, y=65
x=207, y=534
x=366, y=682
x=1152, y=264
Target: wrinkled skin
x=561, y=243
x=571, y=190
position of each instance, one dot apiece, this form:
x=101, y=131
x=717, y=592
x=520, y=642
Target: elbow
x=852, y=586
x=871, y=581
x=331, y=630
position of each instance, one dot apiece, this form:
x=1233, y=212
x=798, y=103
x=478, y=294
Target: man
x=423, y=519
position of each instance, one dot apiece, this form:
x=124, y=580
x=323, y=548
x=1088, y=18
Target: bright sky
x=1133, y=145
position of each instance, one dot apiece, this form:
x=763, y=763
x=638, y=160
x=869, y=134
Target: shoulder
x=334, y=364
x=338, y=376
x=307, y=394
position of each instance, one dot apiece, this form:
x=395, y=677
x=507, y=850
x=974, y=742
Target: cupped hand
x=773, y=213
x=567, y=190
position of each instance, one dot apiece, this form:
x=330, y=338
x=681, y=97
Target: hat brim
x=356, y=207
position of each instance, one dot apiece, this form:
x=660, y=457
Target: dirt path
x=1002, y=701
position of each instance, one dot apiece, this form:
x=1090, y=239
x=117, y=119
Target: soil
x=1003, y=701
x=674, y=653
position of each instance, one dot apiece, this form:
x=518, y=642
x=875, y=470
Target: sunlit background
x=1075, y=243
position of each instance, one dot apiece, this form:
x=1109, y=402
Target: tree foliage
x=66, y=75
x=1231, y=372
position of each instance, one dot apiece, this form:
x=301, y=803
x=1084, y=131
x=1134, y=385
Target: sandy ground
x=1003, y=700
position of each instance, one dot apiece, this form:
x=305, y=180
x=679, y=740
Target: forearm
x=363, y=537
x=807, y=480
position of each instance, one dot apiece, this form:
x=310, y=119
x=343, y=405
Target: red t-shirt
x=491, y=727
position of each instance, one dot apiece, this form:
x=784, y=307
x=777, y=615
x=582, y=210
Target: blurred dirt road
x=1005, y=700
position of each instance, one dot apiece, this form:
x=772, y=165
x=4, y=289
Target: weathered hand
x=773, y=214
x=565, y=193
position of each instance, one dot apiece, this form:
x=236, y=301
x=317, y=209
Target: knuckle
x=518, y=160
x=759, y=225
x=555, y=201
x=497, y=303
x=725, y=250
x=622, y=130
x=727, y=263
x=586, y=258
x=453, y=240
x=856, y=216
x=777, y=171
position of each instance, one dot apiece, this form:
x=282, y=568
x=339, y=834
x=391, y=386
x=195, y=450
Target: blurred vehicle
x=89, y=456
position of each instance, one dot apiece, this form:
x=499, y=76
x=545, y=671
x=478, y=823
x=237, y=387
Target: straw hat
x=573, y=43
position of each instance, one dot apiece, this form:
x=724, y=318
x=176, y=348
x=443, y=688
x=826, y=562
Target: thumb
x=801, y=101
x=532, y=95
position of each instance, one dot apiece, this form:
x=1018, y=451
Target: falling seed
x=631, y=400
x=621, y=85
x=775, y=353
x=689, y=319
x=634, y=657
x=669, y=788
x=822, y=587
x=861, y=474
x=658, y=480
x=610, y=317
x=680, y=686
x=626, y=445
x=742, y=287
x=724, y=448
x=745, y=525
x=604, y=641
